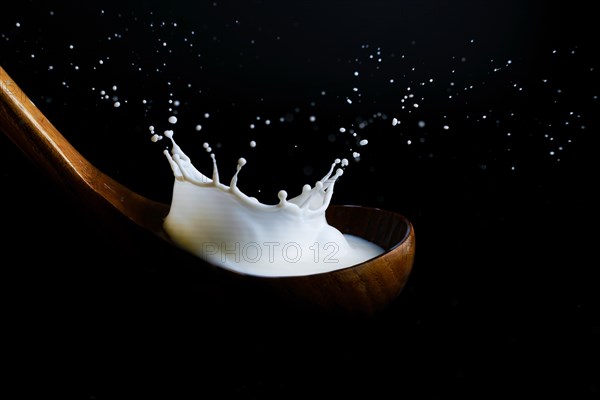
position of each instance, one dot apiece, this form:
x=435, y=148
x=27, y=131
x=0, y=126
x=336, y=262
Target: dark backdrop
x=503, y=298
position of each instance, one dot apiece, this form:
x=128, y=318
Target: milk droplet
x=395, y=121
x=342, y=129
x=252, y=143
x=173, y=119
x=363, y=142
x=282, y=196
x=312, y=118
x=198, y=128
x=168, y=133
x=117, y=104
x=421, y=124
x=155, y=138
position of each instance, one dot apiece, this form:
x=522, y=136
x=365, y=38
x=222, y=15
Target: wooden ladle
x=363, y=289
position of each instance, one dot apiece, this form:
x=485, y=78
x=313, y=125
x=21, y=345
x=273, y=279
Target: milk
x=225, y=227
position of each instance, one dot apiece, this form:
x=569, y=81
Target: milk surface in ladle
x=224, y=226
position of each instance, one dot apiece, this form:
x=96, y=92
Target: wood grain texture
x=363, y=290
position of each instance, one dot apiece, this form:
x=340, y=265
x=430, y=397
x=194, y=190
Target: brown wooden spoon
x=363, y=289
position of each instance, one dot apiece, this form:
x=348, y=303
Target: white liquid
x=222, y=225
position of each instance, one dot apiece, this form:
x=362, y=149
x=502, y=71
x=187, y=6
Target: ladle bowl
x=363, y=289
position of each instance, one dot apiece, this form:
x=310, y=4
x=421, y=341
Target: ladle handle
x=38, y=139
x=41, y=142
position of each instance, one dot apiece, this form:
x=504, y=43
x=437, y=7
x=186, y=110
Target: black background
x=503, y=298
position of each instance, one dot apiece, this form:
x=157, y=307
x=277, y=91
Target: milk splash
x=224, y=226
